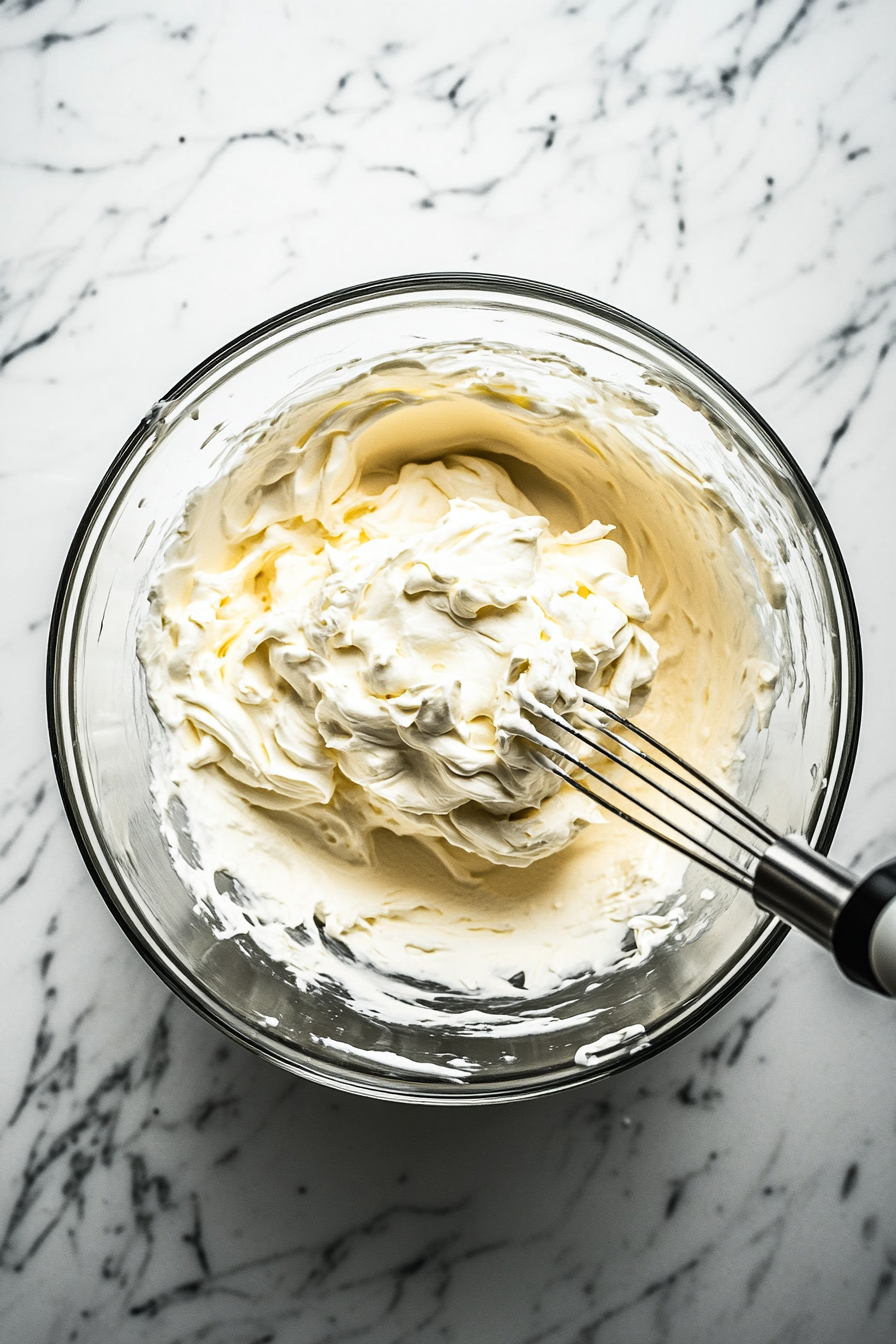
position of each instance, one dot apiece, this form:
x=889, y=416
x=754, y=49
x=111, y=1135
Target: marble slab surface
x=171, y=173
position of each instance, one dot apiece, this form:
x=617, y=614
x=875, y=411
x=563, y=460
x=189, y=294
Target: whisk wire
x=710, y=795
x=552, y=717
x=721, y=798
x=708, y=858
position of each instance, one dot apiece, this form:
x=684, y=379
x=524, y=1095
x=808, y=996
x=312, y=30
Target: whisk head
x=683, y=808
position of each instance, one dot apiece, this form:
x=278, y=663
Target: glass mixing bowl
x=102, y=728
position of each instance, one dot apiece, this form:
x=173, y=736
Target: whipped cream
x=389, y=659
x=352, y=623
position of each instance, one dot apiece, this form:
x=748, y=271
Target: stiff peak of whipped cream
x=371, y=652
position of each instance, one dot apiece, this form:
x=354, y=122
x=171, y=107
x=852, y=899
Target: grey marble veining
x=173, y=173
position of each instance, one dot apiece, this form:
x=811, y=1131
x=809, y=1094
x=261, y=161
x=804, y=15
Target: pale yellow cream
x=351, y=621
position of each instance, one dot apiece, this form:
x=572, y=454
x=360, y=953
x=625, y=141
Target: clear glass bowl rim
x=60, y=717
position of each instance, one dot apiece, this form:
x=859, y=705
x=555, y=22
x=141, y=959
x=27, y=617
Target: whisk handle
x=803, y=887
x=855, y=919
x=864, y=937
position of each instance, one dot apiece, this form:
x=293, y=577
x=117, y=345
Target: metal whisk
x=854, y=918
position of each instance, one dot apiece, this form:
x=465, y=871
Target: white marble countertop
x=173, y=173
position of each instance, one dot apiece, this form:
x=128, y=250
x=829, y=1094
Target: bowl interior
x=795, y=772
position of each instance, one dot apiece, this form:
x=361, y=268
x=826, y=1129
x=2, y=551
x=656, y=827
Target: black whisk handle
x=864, y=935
x=855, y=918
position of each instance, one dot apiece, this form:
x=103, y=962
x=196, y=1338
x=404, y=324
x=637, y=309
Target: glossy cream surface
x=353, y=621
